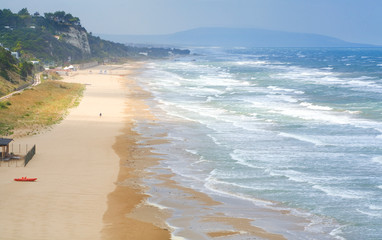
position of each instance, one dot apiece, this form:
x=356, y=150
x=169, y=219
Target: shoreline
x=128, y=216
x=94, y=173
x=142, y=166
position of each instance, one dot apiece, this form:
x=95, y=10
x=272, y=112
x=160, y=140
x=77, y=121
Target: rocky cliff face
x=77, y=38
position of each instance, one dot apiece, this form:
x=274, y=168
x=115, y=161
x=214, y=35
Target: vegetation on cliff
x=13, y=73
x=59, y=37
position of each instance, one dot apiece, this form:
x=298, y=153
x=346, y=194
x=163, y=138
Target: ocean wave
x=377, y=159
x=324, y=116
x=282, y=98
x=315, y=107
x=370, y=214
x=291, y=175
x=279, y=89
x=337, y=232
x=214, y=139
x=327, y=68
x=345, y=194
x=211, y=184
x=157, y=205
x=192, y=151
x=252, y=63
x=374, y=207
x=242, y=159
x=320, y=77
x=311, y=139
x=201, y=160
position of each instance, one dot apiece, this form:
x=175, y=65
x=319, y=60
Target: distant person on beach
x=100, y=114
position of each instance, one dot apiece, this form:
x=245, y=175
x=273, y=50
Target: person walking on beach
x=100, y=114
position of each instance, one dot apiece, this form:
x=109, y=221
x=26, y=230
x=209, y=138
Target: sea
x=290, y=138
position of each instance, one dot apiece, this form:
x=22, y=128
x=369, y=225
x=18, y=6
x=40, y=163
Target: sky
x=356, y=21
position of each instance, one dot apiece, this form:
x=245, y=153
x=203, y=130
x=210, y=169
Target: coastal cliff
x=77, y=38
x=60, y=38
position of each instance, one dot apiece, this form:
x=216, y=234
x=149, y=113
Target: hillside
x=59, y=37
x=13, y=74
x=236, y=37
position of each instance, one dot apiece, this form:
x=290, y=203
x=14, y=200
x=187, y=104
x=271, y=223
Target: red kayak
x=25, y=179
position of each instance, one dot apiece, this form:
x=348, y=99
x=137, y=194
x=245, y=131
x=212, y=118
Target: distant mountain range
x=235, y=37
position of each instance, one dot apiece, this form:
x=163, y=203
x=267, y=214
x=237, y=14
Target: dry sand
x=77, y=169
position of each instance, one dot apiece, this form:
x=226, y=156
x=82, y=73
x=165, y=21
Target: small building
x=4, y=144
x=15, y=54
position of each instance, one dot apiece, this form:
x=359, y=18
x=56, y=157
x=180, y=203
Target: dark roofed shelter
x=4, y=144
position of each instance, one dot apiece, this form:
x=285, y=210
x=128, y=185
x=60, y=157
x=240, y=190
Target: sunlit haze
x=351, y=20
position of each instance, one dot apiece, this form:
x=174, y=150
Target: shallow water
x=295, y=129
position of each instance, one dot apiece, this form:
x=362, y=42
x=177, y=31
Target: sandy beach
x=77, y=168
x=91, y=171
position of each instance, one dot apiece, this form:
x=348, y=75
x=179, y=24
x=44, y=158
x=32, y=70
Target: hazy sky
x=351, y=20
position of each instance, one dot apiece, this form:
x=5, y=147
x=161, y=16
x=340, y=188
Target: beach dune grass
x=38, y=107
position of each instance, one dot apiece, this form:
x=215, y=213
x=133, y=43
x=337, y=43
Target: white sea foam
x=327, y=68
x=375, y=207
x=243, y=159
x=279, y=89
x=353, y=112
x=329, y=78
x=283, y=98
x=201, y=160
x=214, y=139
x=346, y=194
x=324, y=116
x=310, y=114
x=157, y=205
x=211, y=185
x=315, y=107
x=173, y=237
x=231, y=184
x=192, y=151
x=252, y=63
x=337, y=232
x=210, y=99
x=308, y=139
x=377, y=159
x=370, y=214
x=291, y=175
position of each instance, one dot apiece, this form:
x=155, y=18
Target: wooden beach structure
x=4, y=144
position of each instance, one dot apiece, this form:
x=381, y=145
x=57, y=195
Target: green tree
x=25, y=69
x=60, y=15
x=23, y=12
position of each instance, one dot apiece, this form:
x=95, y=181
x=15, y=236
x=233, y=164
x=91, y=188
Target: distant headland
x=236, y=37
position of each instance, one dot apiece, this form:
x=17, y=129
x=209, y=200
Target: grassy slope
x=37, y=108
